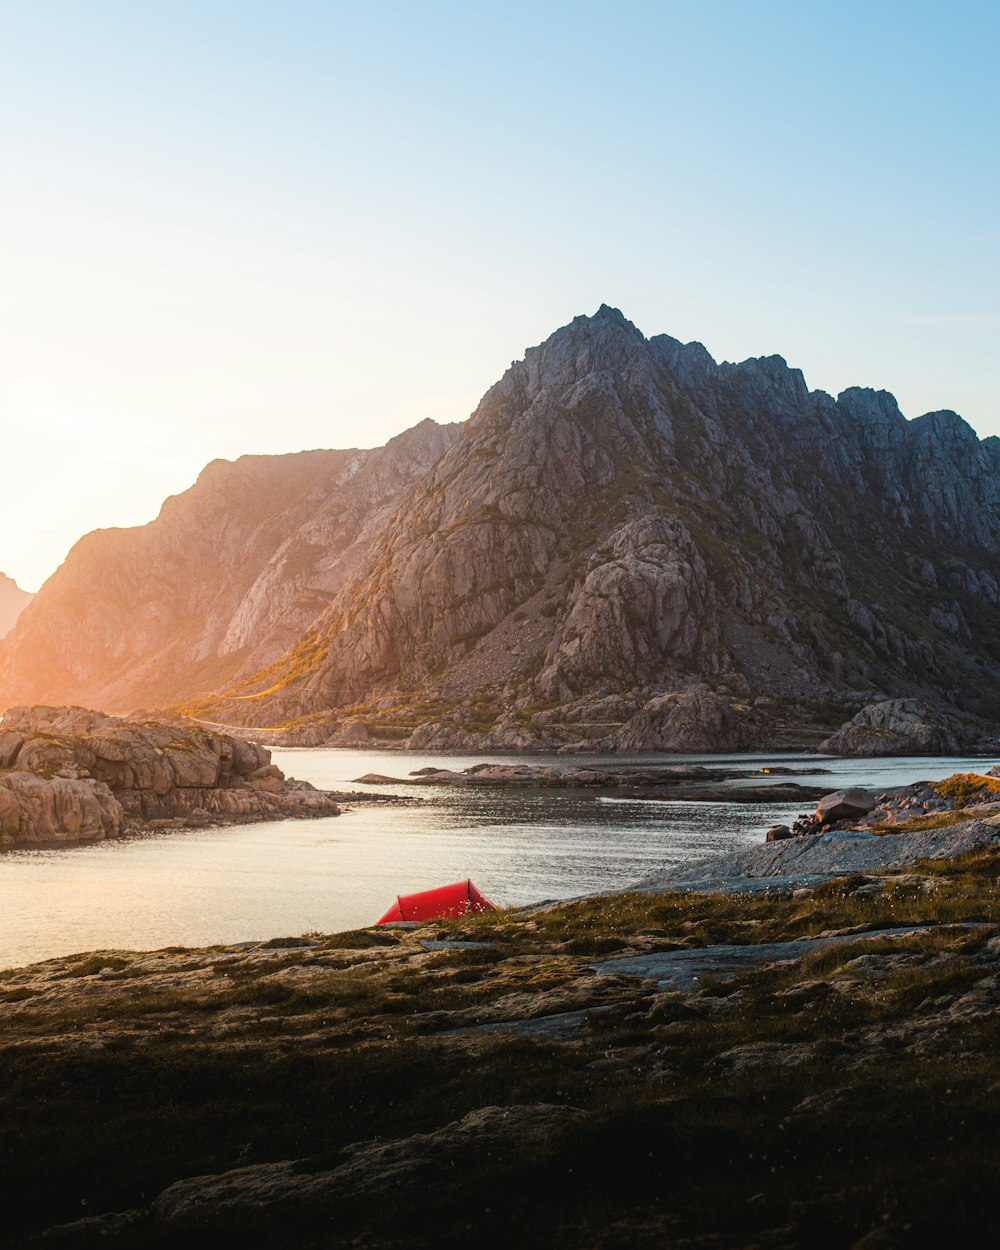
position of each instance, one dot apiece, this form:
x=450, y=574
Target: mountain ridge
x=228, y=575
x=627, y=546
x=13, y=601
x=665, y=526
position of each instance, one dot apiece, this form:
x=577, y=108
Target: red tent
x=447, y=900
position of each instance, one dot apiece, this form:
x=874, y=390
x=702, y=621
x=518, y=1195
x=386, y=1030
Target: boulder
x=777, y=833
x=269, y=778
x=844, y=805
x=352, y=733
x=441, y=736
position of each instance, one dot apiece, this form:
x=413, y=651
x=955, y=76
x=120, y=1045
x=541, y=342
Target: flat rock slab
x=677, y=970
x=446, y=944
x=561, y=1026
x=682, y=970
x=779, y=867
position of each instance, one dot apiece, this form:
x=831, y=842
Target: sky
x=231, y=228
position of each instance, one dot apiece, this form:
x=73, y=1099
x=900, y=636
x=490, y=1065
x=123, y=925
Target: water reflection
x=255, y=881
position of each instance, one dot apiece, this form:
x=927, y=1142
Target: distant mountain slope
x=633, y=544
x=13, y=601
x=226, y=578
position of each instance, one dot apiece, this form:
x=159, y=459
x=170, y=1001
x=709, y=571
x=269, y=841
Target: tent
x=437, y=904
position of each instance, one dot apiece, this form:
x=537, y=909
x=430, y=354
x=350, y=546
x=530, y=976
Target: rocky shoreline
x=71, y=775
x=647, y=721
x=694, y=1063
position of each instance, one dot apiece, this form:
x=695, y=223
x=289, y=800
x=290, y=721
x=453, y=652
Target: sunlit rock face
x=622, y=518
x=74, y=775
x=13, y=601
x=225, y=579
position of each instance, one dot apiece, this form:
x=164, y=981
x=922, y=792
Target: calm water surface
x=290, y=877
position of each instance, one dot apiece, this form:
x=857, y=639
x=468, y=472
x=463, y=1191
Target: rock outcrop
x=786, y=864
x=690, y=720
x=72, y=774
x=13, y=601
x=229, y=575
x=691, y=782
x=631, y=546
x=898, y=727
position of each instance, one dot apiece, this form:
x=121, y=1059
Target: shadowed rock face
x=78, y=775
x=623, y=518
x=225, y=579
x=898, y=727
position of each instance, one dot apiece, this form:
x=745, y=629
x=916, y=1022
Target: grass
x=936, y=820
x=92, y=965
x=965, y=788
x=603, y=925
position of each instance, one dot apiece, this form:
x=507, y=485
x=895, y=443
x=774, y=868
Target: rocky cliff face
x=71, y=774
x=225, y=579
x=13, y=601
x=631, y=545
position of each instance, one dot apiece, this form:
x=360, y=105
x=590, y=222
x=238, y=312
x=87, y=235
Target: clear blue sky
x=232, y=227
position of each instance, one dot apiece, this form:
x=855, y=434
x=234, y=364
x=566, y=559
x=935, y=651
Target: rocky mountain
x=630, y=545
x=226, y=578
x=13, y=601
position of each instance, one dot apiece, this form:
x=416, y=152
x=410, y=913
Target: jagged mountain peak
x=623, y=517
x=869, y=405
x=426, y=432
x=605, y=343
x=624, y=536
x=946, y=421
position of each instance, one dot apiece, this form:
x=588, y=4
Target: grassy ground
x=851, y=1098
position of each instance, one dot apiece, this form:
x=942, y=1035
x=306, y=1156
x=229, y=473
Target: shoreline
x=765, y=867
x=314, y=915
x=739, y=1042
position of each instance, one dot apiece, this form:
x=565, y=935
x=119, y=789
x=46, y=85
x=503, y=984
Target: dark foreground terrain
x=816, y=1069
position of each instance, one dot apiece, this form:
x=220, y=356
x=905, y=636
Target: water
x=289, y=877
